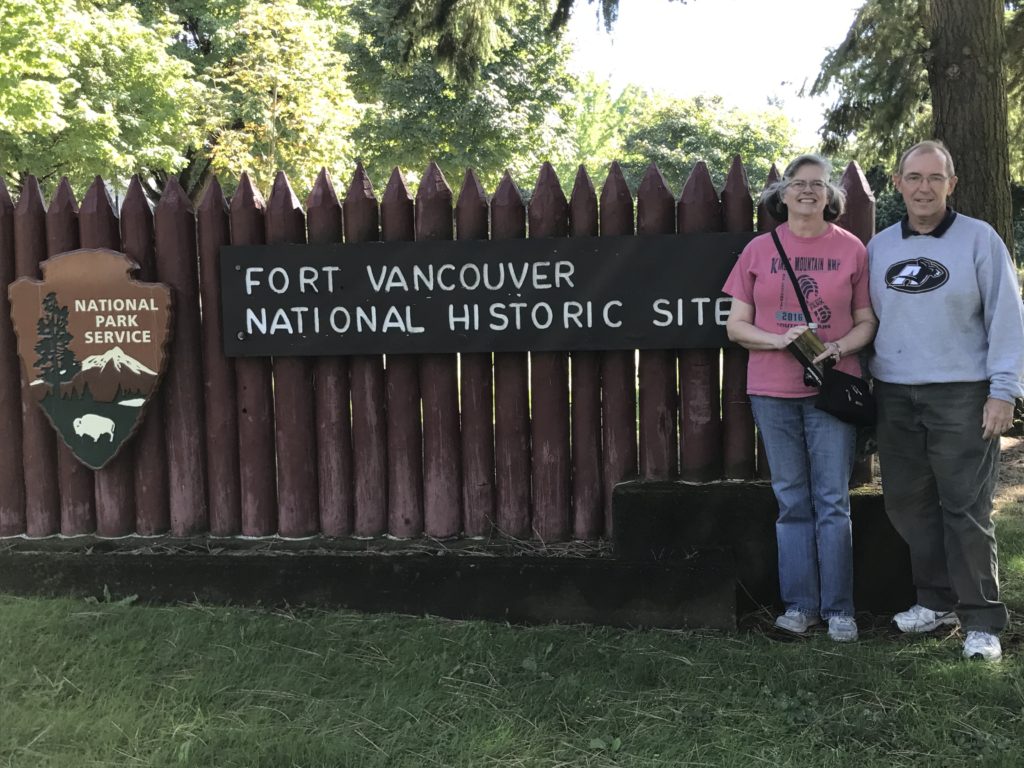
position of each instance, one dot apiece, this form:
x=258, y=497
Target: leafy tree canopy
x=879, y=71
x=279, y=95
x=506, y=118
x=462, y=36
x=638, y=128
x=89, y=89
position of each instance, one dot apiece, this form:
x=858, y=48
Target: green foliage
x=595, y=126
x=884, y=101
x=676, y=133
x=279, y=95
x=883, y=84
x=89, y=89
x=506, y=118
x=462, y=36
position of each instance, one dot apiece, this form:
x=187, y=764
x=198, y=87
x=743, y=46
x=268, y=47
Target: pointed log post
x=585, y=397
x=765, y=223
x=859, y=219
x=656, y=215
x=333, y=416
x=402, y=390
x=298, y=505
x=77, y=505
x=476, y=388
x=439, y=383
x=618, y=368
x=115, y=483
x=12, y=473
x=737, y=419
x=549, y=386
x=700, y=421
x=152, y=506
x=254, y=395
x=38, y=440
x=176, y=264
x=369, y=409
x=219, y=386
x=511, y=391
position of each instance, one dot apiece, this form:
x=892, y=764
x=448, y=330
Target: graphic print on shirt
x=916, y=276
x=820, y=311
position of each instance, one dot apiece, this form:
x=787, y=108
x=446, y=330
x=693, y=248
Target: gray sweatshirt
x=949, y=308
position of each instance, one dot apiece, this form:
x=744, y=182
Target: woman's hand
x=832, y=350
x=785, y=339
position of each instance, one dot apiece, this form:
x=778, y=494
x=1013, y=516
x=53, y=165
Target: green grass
x=116, y=684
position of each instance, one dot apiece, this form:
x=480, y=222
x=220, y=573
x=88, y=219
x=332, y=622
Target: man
x=948, y=366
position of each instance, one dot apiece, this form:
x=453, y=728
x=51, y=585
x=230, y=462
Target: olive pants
x=938, y=477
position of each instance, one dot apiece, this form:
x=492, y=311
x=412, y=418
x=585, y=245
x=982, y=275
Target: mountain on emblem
x=92, y=343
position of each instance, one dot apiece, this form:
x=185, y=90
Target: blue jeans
x=811, y=457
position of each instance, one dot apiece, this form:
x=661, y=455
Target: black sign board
x=547, y=294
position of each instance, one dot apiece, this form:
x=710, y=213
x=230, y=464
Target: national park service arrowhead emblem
x=93, y=345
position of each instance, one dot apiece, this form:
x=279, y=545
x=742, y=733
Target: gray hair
x=771, y=197
x=931, y=145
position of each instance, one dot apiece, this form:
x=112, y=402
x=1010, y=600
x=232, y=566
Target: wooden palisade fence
x=438, y=445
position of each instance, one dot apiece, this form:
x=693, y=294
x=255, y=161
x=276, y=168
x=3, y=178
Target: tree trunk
x=965, y=74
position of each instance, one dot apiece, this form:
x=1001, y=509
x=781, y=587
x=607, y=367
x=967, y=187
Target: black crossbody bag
x=846, y=397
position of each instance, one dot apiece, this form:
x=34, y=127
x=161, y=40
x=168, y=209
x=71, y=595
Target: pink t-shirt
x=832, y=270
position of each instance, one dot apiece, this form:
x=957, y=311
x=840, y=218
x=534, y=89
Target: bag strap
x=792, y=276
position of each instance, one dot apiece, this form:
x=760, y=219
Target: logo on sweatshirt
x=916, y=276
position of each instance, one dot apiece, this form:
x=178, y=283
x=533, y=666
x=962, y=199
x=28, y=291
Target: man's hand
x=996, y=418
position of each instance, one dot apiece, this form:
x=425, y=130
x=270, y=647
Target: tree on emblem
x=56, y=361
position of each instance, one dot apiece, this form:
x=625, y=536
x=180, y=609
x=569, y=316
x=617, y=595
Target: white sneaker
x=982, y=645
x=796, y=622
x=917, y=618
x=842, y=629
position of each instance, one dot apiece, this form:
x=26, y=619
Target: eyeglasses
x=817, y=185
x=933, y=179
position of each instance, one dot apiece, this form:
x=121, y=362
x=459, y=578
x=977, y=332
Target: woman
x=810, y=453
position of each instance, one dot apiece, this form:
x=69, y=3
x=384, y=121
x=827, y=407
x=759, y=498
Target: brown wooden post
x=618, y=369
x=254, y=391
x=658, y=399
x=219, y=386
x=859, y=219
x=369, y=409
x=294, y=401
x=476, y=387
x=152, y=506
x=12, y=473
x=700, y=421
x=176, y=263
x=549, y=386
x=38, y=440
x=439, y=384
x=401, y=378
x=585, y=383
x=511, y=395
x=77, y=507
x=765, y=223
x=115, y=483
x=333, y=417
x=737, y=419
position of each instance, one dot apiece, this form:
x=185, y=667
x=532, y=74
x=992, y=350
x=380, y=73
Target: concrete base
x=658, y=521
x=694, y=589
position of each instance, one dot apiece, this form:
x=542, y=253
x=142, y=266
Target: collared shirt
x=939, y=231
